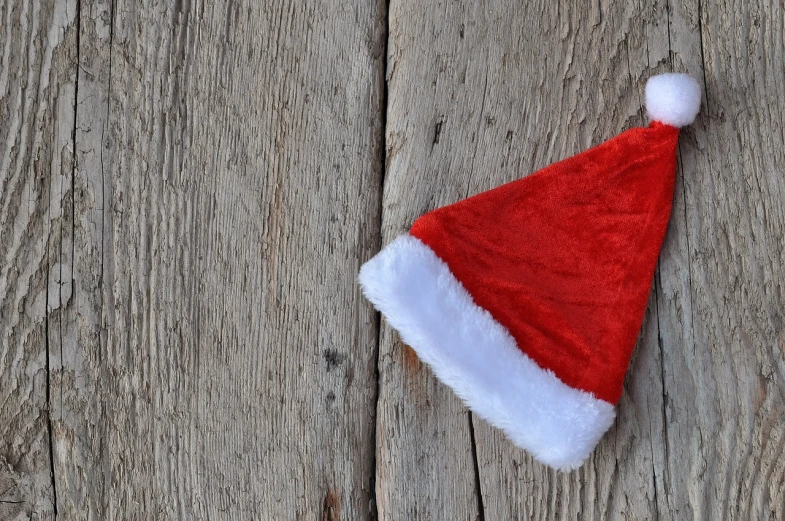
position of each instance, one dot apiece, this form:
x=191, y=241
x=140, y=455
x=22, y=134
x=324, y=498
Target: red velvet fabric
x=564, y=258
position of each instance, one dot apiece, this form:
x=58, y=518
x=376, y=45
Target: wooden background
x=188, y=189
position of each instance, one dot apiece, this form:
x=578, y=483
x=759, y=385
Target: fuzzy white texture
x=478, y=358
x=673, y=99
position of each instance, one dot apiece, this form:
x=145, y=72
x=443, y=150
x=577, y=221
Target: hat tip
x=673, y=98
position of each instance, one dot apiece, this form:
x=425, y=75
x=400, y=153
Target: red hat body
x=564, y=258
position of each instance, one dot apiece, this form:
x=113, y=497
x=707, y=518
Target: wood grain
x=37, y=95
x=188, y=189
x=495, y=92
x=483, y=94
x=722, y=277
x=211, y=358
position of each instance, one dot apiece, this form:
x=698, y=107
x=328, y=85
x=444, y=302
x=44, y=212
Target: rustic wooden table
x=187, y=191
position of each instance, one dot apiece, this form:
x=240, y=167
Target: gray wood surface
x=187, y=191
x=37, y=89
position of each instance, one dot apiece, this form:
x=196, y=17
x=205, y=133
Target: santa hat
x=528, y=299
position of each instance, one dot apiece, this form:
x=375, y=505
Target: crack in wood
x=49, y=427
x=477, y=481
x=373, y=507
x=437, y=132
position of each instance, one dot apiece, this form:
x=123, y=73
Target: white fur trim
x=472, y=353
x=673, y=99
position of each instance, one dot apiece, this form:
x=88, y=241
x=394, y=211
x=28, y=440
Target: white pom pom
x=673, y=99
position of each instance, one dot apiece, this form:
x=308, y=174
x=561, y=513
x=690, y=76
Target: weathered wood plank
x=722, y=295
x=489, y=93
x=37, y=95
x=179, y=322
x=217, y=362
x=591, y=93
x=436, y=81
x=480, y=95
